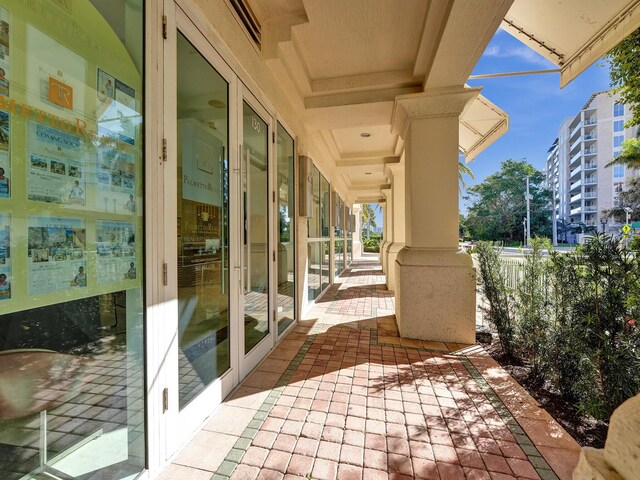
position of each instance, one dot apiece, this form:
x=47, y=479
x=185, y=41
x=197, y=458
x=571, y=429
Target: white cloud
x=522, y=53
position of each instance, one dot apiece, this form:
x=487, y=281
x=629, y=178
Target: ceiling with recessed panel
x=345, y=62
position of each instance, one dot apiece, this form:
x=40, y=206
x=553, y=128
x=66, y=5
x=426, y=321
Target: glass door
x=256, y=249
x=200, y=328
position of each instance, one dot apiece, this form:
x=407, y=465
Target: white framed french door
x=256, y=260
x=200, y=131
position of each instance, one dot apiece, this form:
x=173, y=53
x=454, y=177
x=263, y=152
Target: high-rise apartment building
x=576, y=170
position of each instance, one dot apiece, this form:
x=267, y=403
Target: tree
x=463, y=169
x=499, y=204
x=624, y=61
x=368, y=215
x=628, y=198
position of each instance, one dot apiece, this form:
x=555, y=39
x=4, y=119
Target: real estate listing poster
x=57, y=254
x=117, y=114
x=116, y=249
x=116, y=179
x=55, y=76
x=5, y=72
x=56, y=165
x=5, y=257
x=5, y=165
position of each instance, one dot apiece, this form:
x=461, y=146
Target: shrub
x=533, y=307
x=493, y=282
x=372, y=245
x=574, y=317
x=596, y=341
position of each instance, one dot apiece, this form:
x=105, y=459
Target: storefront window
x=71, y=239
x=319, y=240
x=338, y=250
x=286, y=230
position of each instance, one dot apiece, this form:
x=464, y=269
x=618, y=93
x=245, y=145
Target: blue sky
x=535, y=103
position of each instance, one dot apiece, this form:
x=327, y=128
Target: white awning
x=572, y=34
x=481, y=124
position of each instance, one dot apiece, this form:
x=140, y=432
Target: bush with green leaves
x=371, y=245
x=533, y=307
x=493, y=282
x=572, y=317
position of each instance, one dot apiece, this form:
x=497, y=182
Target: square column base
x=392, y=253
x=435, y=295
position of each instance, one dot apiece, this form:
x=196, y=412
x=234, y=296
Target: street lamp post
x=528, y=214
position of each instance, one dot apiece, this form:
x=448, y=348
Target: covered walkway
x=344, y=397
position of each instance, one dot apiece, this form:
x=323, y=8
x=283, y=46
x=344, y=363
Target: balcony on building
x=588, y=137
x=590, y=151
x=590, y=166
x=576, y=171
x=590, y=180
x=590, y=208
x=576, y=211
x=590, y=121
x=575, y=130
x=577, y=156
x=576, y=186
x=590, y=194
x=576, y=198
x=576, y=144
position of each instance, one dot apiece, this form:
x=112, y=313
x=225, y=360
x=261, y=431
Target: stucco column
x=384, y=236
x=435, y=281
x=395, y=172
x=387, y=230
x=357, y=232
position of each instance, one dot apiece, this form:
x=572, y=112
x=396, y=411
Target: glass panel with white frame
x=255, y=200
x=285, y=187
x=203, y=230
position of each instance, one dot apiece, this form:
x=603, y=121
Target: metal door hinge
x=164, y=27
x=165, y=274
x=274, y=255
x=164, y=149
x=165, y=400
x=274, y=197
x=273, y=137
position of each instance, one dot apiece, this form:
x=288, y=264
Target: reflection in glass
x=203, y=255
x=338, y=248
x=72, y=390
x=255, y=197
x=286, y=230
x=314, y=270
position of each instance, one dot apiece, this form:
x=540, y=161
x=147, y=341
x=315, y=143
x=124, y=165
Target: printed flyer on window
x=5, y=171
x=116, y=249
x=4, y=52
x=56, y=165
x=5, y=257
x=57, y=254
x=116, y=179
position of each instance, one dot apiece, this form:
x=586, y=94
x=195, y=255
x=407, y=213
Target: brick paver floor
x=343, y=397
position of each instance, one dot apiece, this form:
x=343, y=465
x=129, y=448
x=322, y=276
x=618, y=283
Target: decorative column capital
x=437, y=102
x=392, y=170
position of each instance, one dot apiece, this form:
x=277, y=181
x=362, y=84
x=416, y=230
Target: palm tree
x=463, y=169
x=368, y=214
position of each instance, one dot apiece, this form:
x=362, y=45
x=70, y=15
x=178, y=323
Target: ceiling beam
x=350, y=163
x=361, y=97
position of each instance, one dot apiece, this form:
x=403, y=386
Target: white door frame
x=257, y=353
x=181, y=425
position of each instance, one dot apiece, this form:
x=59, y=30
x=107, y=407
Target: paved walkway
x=343, y=397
